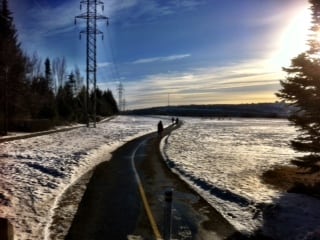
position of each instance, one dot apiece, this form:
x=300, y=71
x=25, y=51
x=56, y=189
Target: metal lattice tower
x=120, y=94
x=91, y=16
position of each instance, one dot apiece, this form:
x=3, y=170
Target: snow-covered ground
x=35, y=172
x=221, y=159
x=224, y=159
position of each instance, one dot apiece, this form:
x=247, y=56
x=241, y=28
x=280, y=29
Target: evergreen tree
x=108, y=96
x=72, y=83
x=301, y=89
x=63, y=102
x=78, y=79
x=80, y=105
x=48, y=73
x=314, y=41
x=106, y=104
x=12, y=69
x=66, y=101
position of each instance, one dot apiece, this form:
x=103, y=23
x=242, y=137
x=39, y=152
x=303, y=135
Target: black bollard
x=6, y=229
x=167, y=215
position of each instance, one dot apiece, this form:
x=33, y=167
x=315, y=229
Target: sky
x=174, y=51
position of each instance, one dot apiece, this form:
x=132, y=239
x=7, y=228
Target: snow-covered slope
x=34, y=172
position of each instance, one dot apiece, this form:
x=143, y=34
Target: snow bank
x=35, y=172
x=223, y=161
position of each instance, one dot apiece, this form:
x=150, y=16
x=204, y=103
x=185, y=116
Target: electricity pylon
x=121, y=101
x=91, y=16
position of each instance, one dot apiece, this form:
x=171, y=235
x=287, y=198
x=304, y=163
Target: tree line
x=36, y=94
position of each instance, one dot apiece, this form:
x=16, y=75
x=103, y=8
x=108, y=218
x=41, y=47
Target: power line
x=122, y=101
x=116, y=75
x=112, y=63
x=112, y=55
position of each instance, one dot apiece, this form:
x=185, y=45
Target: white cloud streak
x=103, y=64
x=149, y=10
x=48, y=20
x=161, y=59
x=242, y=83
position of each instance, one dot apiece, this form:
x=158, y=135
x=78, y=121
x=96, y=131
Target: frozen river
x=224, y=159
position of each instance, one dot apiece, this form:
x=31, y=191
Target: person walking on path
x=160, y=128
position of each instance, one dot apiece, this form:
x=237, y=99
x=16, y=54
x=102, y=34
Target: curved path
x=112, y=208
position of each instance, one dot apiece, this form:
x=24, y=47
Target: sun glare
x=293, y=39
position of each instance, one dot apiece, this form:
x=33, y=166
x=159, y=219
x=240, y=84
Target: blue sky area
x=196, y=51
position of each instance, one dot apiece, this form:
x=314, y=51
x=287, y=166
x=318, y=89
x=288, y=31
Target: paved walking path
x=112, y=207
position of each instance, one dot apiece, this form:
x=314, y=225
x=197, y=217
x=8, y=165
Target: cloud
x=37, y=21
x=161, y=59
x=48, y=19
x=103, y=64
x=239, y=83
x=146, y=10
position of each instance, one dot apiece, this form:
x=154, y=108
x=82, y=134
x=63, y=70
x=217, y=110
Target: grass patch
x=294, y=179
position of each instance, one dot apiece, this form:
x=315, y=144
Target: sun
x=293, y=39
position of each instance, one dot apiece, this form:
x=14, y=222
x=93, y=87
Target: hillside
x=261, y=110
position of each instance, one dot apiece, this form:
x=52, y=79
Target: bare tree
x=35, y=66
x=78, y=79
x=59, y=66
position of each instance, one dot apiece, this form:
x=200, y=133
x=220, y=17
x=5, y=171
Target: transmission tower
x=120, y=95
x=124, y=104
x=91, y=16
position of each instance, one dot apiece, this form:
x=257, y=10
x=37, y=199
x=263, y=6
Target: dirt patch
x=294, y=179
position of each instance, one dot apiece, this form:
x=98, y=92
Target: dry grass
x=294, y=179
